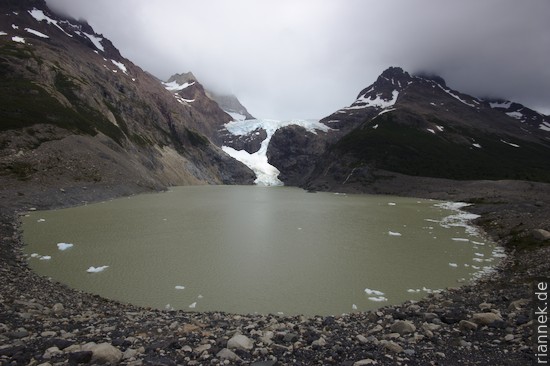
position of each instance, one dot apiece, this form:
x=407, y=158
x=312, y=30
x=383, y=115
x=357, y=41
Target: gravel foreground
x=43, y=322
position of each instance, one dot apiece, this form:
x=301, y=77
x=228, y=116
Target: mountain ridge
x=74, y=111
x=420, y=127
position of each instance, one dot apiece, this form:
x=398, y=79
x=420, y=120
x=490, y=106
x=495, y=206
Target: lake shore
x=487, y=322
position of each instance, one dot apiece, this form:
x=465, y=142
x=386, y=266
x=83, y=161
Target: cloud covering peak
x=305, y=59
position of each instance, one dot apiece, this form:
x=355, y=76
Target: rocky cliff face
x=417, y=126
x=74, y=111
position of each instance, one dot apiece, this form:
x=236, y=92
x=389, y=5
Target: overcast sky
x=307, y=58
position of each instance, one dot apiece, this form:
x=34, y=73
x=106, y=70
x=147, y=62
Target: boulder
x=403, y=327
x=541, y=235
x=486, y=318
x=227, y=354
x=240, y=341
x=106, y=353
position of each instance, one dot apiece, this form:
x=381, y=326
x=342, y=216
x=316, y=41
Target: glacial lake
x=251, y=249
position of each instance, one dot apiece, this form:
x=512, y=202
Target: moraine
x=247, y=249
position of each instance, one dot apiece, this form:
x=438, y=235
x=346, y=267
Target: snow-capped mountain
x=74, y=111
x=419, y=126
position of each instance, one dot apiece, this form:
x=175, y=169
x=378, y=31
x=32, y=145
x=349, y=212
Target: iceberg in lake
x=93, y=269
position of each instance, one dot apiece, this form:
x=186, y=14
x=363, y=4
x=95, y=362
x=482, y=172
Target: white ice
x=431, y=130
x=18, y=39
x=174, y=86
x=95, y=40
x=180, y=287
x=460, y=239
x=353, y=307
x=36, y=33
x=121, y=66
x=45, y=257
x=545, y=126
x=516, y=115
x=266, y=174
x=369, y=291
x=40, y=16
x=477, y=145
x=377, y=102
x=504, y=105
x=93, y=269
x=3, y=33
x=378, y=298
x=391, y=203
x=448, y=91
x=64, y=246
x=460, y=218
x=453, y=265
x=193, y=305
x=393, y=233
x=41, y=220
x=236, y=116
x=509, y=143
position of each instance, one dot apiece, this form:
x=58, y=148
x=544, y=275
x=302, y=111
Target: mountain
x=231, y=105
x=416, y=125
x=74, y=111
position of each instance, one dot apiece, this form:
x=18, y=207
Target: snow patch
x=121, y=66
x=516, y=115
x=3, y=33
x=40, y=16
x=504, y=105
x=477, y=145
x=509, y=143
x=448, y=91
x=18, y=39
x=96, y=41
x=36, y=33
x=377, y=102
x=174, y=86
x=545, y=126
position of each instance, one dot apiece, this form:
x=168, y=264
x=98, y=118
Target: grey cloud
x=305, y=59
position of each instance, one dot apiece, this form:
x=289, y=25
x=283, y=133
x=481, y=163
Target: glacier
x=266, y=174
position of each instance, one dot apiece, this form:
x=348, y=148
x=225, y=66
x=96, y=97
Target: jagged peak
x=431, y=76
x=182, y=78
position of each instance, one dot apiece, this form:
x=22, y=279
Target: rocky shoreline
x=487, y=323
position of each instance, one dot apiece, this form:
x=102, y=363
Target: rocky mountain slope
x=74, y=111
x=416, y=126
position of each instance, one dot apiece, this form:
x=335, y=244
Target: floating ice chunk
x=477, y=259
x=36, y=33
x=93, y=269
x=353, y=307
x=168, y=307
x=412, y=290
x=479, y=254
x=178, y=287
x=193, y=305
x=378, y=298
x=18, y=39
x=35, y=255
x=200, y=297
x=453, y=265
x=369, y=291
x=64, y=246
x=41, y=220
x=45, y=258
x=393, y=233
x=460, y=239
x=392, y=203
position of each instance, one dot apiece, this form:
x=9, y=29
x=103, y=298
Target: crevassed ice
x=266, y=174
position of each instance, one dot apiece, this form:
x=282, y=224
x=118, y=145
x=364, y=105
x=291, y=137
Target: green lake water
x=248, y=249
